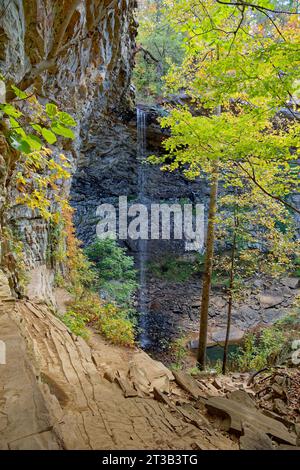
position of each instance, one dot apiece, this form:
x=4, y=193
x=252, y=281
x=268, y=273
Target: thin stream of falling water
x=142, y=244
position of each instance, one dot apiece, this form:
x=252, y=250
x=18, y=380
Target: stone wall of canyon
x=79, y=55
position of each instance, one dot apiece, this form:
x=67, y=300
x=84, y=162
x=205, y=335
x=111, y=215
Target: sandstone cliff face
x=79, y=55
x=75, y=52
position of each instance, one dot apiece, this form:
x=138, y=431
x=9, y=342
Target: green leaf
x=19, y=93
x=49, y=136
x=10, y=110
x=37, y=128
x=66, y=119
x=19, y=144
x=63, y=131
x=16, y=127
x=34, y=141
x=51, y=110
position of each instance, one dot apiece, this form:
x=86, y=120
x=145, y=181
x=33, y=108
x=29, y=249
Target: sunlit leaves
x=18, y=143
x=51, y=110
x=15, y=126
x=31, y=127
x=25, y=143
x=59, y=123
x=19, y=93
x=48, y=135
x=10, y=110
x=265, y=233
x=33, y=141
x=41, y=172
x=37, y=128
x=234, y=52
x=236, y=141
x=62, y=130
x=235, y=60
x=66, y=119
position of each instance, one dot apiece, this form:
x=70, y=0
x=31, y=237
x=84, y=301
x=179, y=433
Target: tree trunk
x=231, y=283
x=201, y=357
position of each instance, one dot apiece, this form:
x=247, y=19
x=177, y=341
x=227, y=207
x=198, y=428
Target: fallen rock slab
x=240, y=414
x=280, y=407
x=193, y=416
x=147, y=374
x=291, y=282
x=278, y=391
x=254, y=439
x=93, y=414
x=162, y=397
x=269, y=300
x=187, y=383
x=282, y=419
x=125, y=386
x=240, y=396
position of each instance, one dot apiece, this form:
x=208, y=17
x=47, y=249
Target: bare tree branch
x=272, y=21
x=146, y=52
x=253, y=178
x=257, y=7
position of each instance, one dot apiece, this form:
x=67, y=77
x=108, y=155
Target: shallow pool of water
x=215, y=353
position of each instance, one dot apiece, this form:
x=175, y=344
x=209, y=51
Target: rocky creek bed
x=173, y=311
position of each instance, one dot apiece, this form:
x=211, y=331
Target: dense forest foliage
x=235, y=65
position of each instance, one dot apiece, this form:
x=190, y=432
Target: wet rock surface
x=174, y=308
x=109, y=169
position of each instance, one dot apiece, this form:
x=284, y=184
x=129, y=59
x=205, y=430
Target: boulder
x=270, y=300
x=217, y=384
x=236, y=335
x=218, y=302
x=278, y=391
x=291, y=282
x=270, y=315
x=240, y=396
x=146, y=373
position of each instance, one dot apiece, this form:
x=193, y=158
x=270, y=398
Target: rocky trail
x=59, y=392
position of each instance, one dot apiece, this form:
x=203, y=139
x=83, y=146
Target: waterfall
x=142, y=244
x=141, y=139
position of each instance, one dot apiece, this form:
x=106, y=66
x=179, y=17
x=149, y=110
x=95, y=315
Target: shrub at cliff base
x=107, y=318
x=83, y=279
